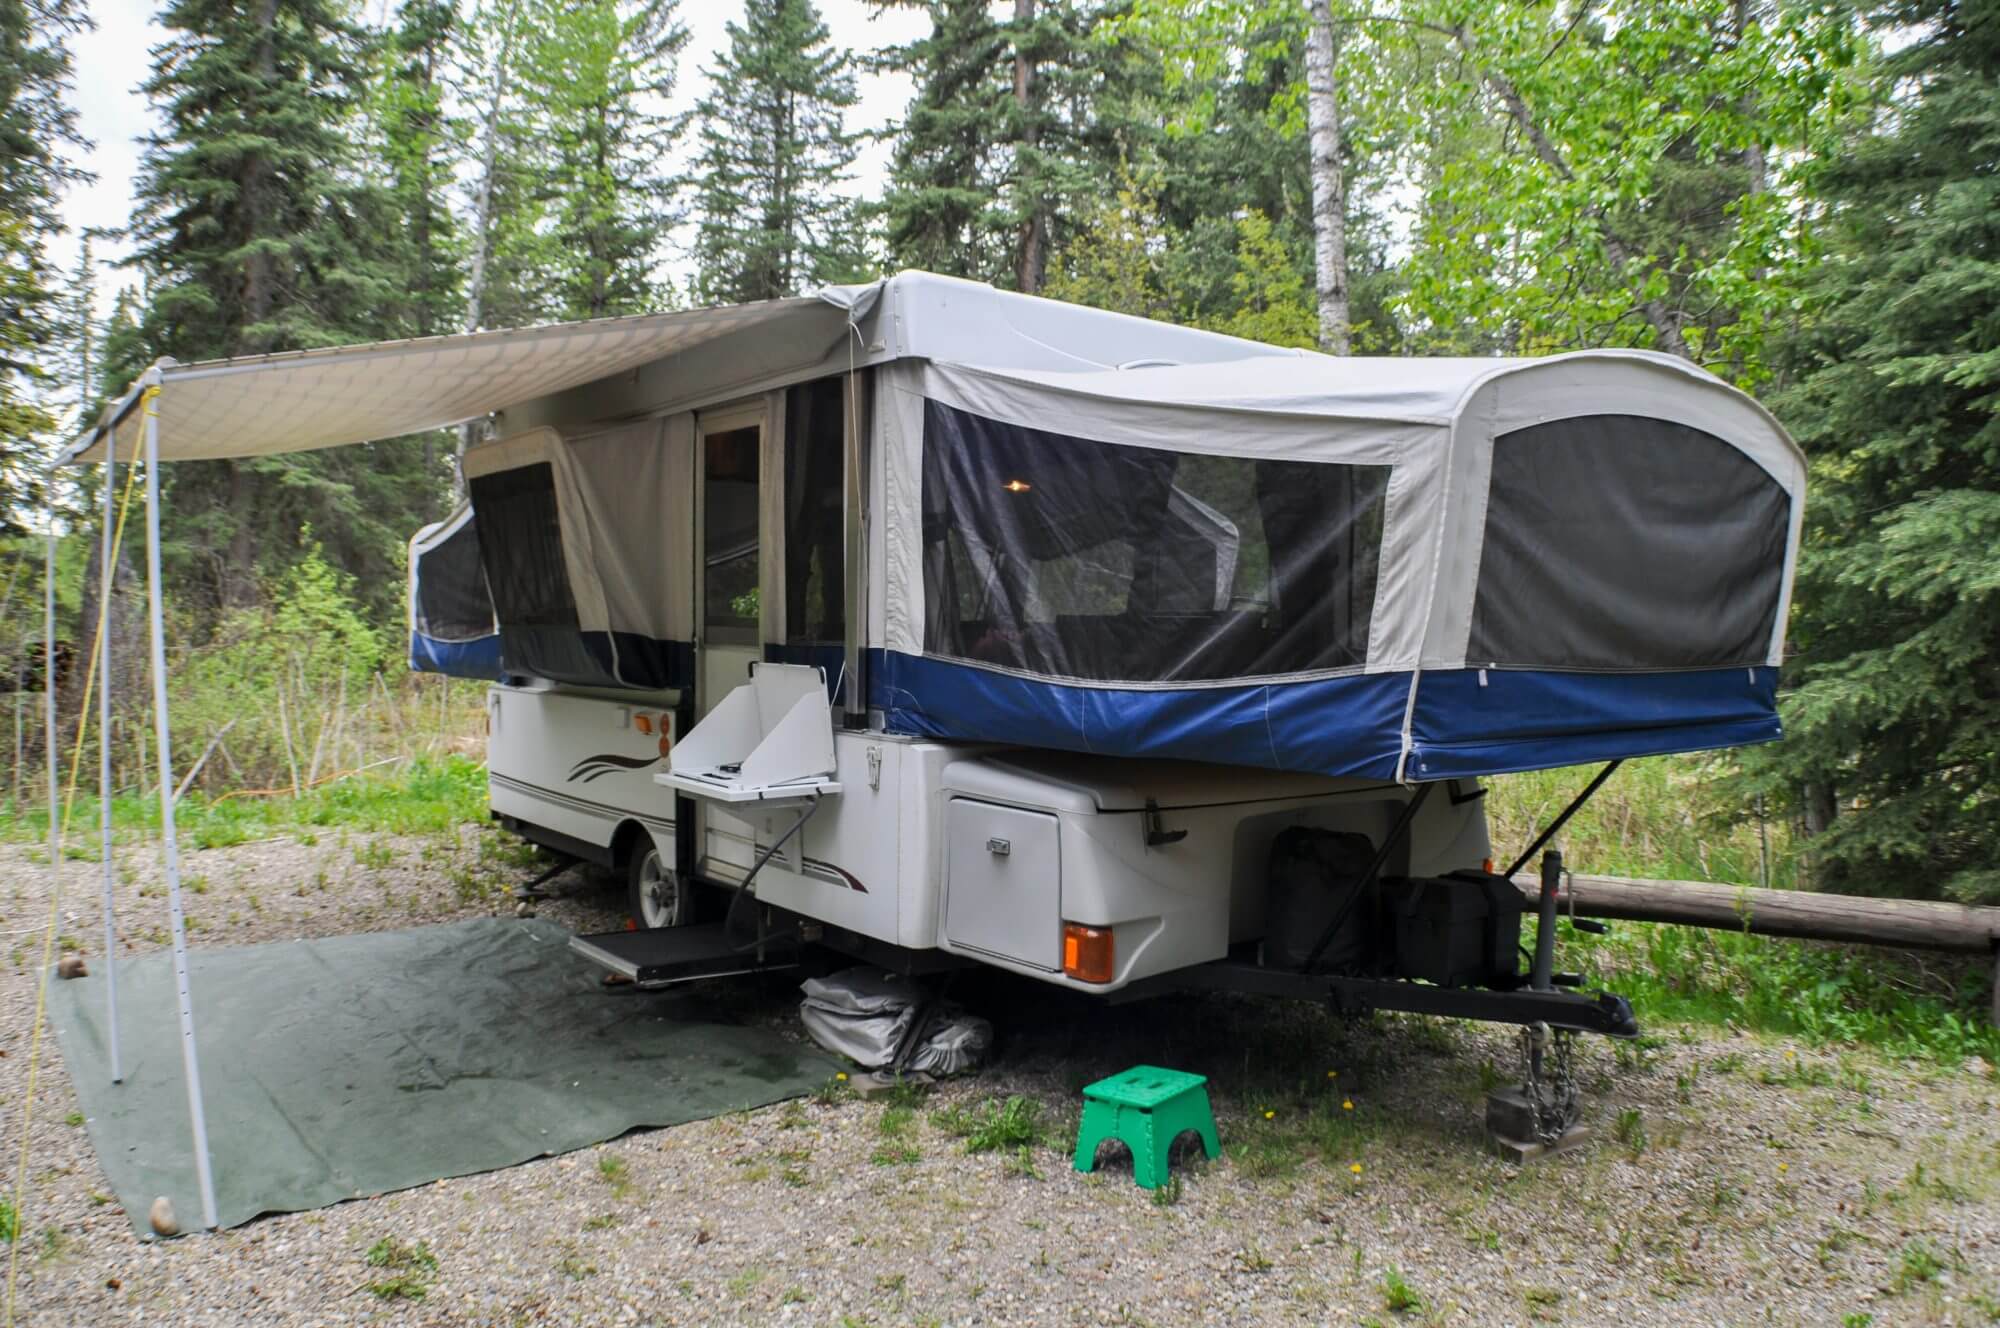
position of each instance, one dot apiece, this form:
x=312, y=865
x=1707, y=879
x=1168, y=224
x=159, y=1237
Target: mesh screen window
x=522, y=547
x=1623, y=543
x=1071, y=558
x=451, y=602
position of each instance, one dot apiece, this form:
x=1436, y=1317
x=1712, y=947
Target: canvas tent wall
x=1445, y=567
x=586, y=542
x=1099, y=533
x=452, y=628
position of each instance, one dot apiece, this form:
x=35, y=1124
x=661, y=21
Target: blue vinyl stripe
x=1333, y=726
x=1519, y=720
x=478, y=658
x=1523, y=719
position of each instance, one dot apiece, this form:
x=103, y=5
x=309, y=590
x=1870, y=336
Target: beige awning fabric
x=301, y=400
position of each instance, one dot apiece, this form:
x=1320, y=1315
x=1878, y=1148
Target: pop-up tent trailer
x=952, y=625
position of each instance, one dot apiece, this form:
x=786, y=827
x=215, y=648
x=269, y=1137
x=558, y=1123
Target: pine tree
x=774, y=154
x=505, y=205
x=1893, y=719
x=257, y=232
x=244, y=199
x=940, y=209
x=80, y=319
x=591, y=74
x=37, y=126
x=1017, y=137
x=419, y=149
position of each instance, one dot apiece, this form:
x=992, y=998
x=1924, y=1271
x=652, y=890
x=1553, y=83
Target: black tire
x=655, y=894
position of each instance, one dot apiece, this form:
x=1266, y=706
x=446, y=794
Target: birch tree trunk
x=482, y=218
x=1328, y=189
x=1031, y=261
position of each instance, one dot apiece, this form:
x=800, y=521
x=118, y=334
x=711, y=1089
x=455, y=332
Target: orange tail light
x=1088, y=953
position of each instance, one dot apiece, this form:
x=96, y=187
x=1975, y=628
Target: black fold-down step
x=672, y=955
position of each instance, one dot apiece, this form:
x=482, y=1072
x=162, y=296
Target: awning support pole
x=1575, y=806
x=169, y=847
x=105, y=580
x=49, y=739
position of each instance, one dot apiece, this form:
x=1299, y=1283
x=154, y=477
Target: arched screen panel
x=1625, y=543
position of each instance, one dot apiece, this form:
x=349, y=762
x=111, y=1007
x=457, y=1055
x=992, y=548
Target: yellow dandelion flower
x=1355, y=1168
x=841, y=1076
x=1347, y=1104
x=1270, y=1115
x=1333, y=1074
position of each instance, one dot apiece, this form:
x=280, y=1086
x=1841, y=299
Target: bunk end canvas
x=1419, y=569
x=452, y=630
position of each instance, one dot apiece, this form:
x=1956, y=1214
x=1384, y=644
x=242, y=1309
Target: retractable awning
x=300, y=400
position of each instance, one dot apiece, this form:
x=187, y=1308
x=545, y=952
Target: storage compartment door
x=1003, y=882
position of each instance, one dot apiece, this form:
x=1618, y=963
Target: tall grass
x=421, y=795
x=1661, y=818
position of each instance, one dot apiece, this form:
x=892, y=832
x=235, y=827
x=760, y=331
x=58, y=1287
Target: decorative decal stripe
x=847, y=877
x=594, y=767
x=549, y=795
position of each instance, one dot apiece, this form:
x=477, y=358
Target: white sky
x=114, y=59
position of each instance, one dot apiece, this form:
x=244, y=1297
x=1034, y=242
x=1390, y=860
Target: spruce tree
x=505, y=284
x=257, y=232
x=774, y=154
x=37, y=128
x=1893, y=718
x=592, y=74
x=941, y=210
x=419, y=147
x=1018, y=135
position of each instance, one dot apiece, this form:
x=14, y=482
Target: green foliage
x=37, y=130
x=1015, y=1125
x=423, y=797
x=1274, y=301
x=1893, y=723
x=1612, y=177
x=1398, y=1296
x=775, y=154
x=1676, y=818
x=418, y=147
x=407, y=1269
x=940, y=210
x=257, y=232
x=1114, y=259
x=285, y=672
x=590, y=76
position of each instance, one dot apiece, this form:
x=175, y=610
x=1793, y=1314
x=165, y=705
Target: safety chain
x=1550, y=1082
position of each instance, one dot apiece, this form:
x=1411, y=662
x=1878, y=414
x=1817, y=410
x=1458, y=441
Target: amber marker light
x=1088, y=955
x=644, y=723
x=1017, y=486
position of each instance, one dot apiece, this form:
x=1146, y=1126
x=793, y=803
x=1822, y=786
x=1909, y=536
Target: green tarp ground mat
x=355, y=1065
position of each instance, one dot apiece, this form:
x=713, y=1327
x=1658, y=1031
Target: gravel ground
x=1731, y=1180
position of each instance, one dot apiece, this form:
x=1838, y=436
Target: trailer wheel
x=659, y=897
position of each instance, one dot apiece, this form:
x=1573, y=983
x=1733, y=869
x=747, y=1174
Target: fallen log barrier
x=1800, y=914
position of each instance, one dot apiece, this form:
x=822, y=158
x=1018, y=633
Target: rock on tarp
x=353, y=1065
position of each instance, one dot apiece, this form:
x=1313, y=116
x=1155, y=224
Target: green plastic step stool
x=1145, y=1108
